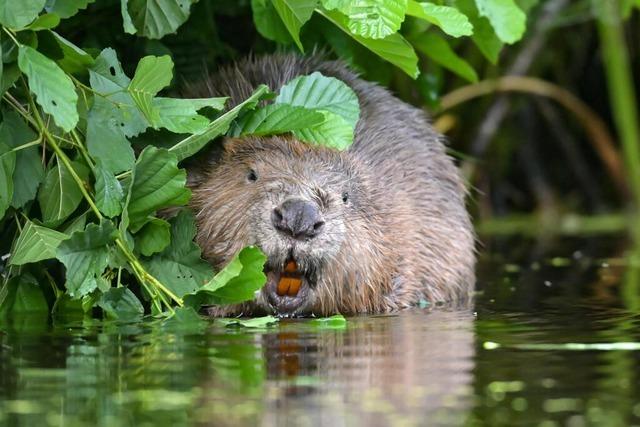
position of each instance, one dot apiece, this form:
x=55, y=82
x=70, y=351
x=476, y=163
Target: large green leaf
x=294, y=14
x=449, y=19
x=54, y=90
x=316, y=91
x=157, y=184
x=154, y=237
x=236, y=283
x=68, y=56
x=181, y=115
x=44, y=22
x=484, y=36
x=268, y=22
x=152, y=75
x=7, y=166
x=67, y=8
x=194, y=143
x=28, y=172
x=180, y=266
x=22, y=294
x=19, y=13
x=275, y=119
x=155, y=18
x=36, y=243
x=60, y=195
x=374, y=19
x=393, y=48
x=120, y=303
x=108, y=191
x=439, y=51
x=85, y=255
x=506, y=18
x=332, y=132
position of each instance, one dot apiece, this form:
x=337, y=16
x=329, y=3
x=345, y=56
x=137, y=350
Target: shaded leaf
x=36, y=243
x=67, y=8
x=54, y=90
x=44, y=22
x=154, y=237
x=60, y=195
x=275, y=119
x=85, y=256
x=155, y=18
x=7, y=166
x=157, y=184
x=180, y=266
x=484, y=37
x=22, y=294
x=68, y=56
x=121, y=304
x=268, y=22
x=333, y=132
x=108, y=192
x=181, y=115
x=440, y=52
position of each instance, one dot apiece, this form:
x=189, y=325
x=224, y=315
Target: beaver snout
x=298, y=218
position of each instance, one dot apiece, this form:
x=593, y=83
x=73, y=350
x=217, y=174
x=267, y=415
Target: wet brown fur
x=406, y=235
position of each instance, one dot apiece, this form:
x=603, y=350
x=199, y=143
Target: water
x=530, y=351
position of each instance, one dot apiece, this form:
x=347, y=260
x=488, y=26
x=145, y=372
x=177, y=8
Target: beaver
x=378, y=227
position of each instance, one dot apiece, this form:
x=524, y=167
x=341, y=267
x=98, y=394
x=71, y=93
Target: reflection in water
x=421, y=367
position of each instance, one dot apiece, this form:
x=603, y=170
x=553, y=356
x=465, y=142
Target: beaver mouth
x=287, y=288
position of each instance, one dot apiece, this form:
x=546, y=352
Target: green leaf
x=180, y=266
x=120, y=304
x=440, y=52
x=19, y=13
x=294, y=14
x=22, y=294
x=506, y=18
x=7, y=166
x=237, y=282
x=9, y=76
x=108, y=191
x=44, y=22
x=60, y=195
x=54, y=90
x=185, y=319
x=28, y=172
x=155, y=18
x=335, y=4
x=85, y=256
x=181, y=115
x=268, y=22
x=393, y=48
x=316, y=91
x=449, y=19
x=336, y=321
x=194, y=143
x=374, y=19
x=256, y=322
x=157, y=184
x=67, y=8
x=36, y=243
x=154, y=237
x=152, y=74
x=484, y=37
x=275, y=119
x=333, y=132
x=68, y=56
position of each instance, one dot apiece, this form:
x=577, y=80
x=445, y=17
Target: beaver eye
x=345, y=197
x=252, y=176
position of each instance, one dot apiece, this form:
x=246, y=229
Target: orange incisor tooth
x=289, y=286
x=294, y=287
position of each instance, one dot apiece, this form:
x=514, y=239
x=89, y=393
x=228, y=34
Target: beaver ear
x=231, y=145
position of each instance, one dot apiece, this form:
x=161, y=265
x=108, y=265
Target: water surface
x=551, y=339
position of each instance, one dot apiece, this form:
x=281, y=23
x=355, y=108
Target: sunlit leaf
x=484, y=36
x=294, y=14
x=54, y=90
x=506, y=18
x=19, y=13
x=108, y=191
x=256, y=322
x=85, y=256
x=333, y=132
x=316, y=91
x=36, y=243
x=275, y=119
x=44, y=22
x=181, y=115
x=152, y=75
x=374, y=19
x=449, y=19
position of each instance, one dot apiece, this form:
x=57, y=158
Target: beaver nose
x=298, y=218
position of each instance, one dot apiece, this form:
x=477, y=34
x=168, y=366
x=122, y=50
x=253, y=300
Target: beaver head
x=308, y=208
